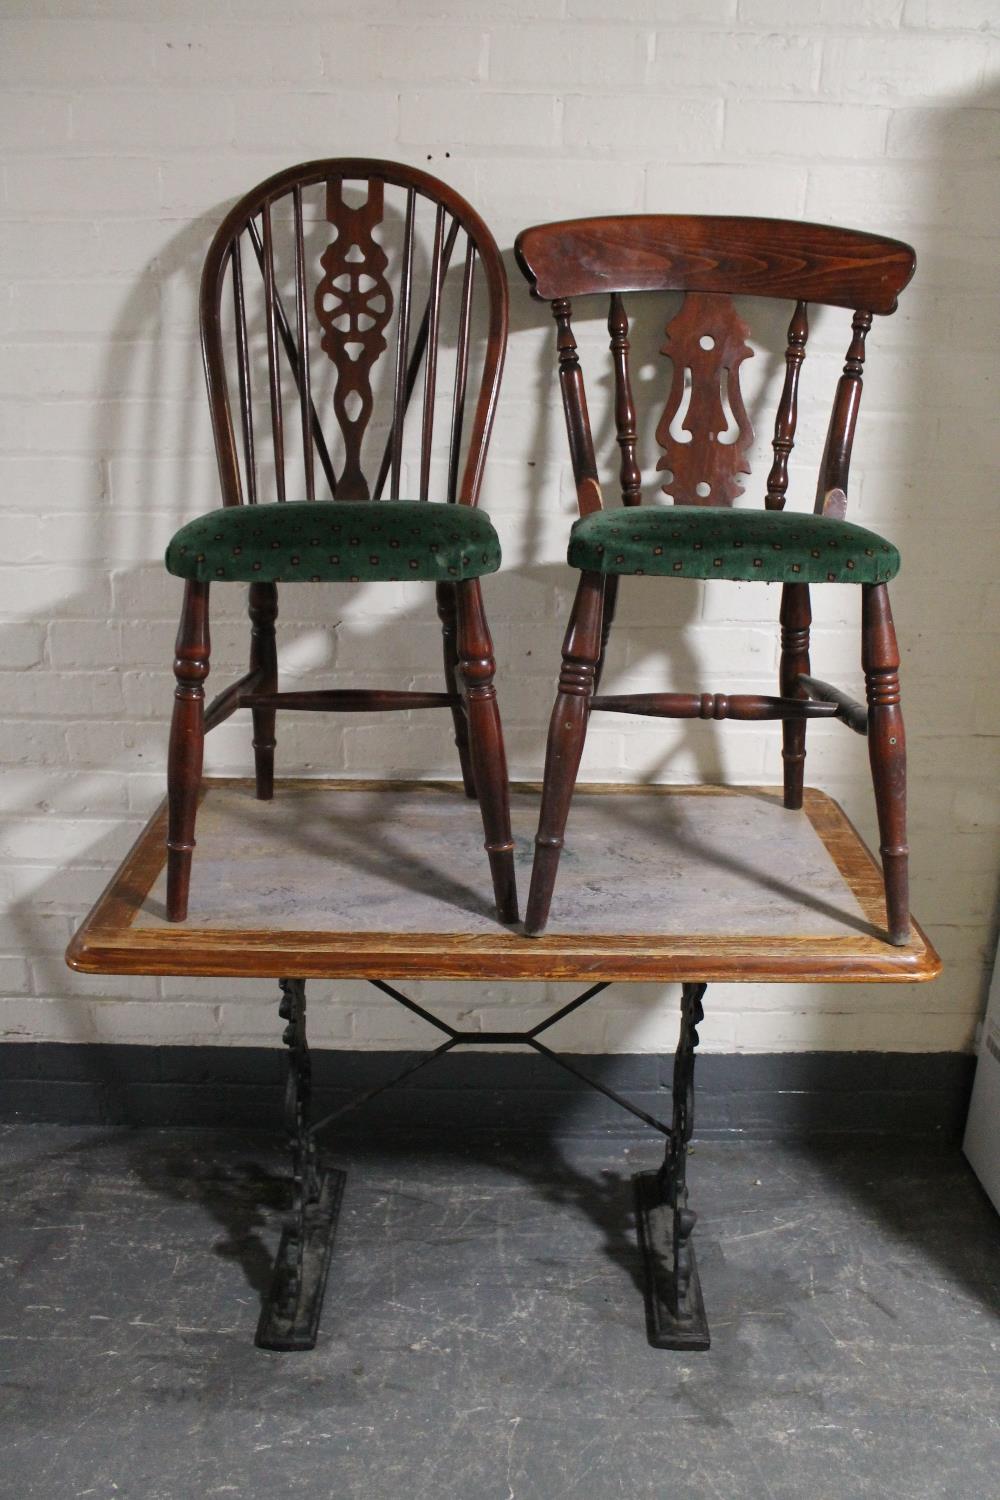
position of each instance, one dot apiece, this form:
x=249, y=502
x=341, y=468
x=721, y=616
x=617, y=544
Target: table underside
x=368, y=880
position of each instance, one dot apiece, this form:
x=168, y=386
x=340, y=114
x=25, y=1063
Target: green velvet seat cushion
x=336, y=540
x=695, y=541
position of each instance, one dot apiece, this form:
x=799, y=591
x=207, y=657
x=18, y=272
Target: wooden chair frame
x=711, y=259
x=247, y=235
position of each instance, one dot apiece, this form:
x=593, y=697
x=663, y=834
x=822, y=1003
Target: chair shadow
x=731, y=862
x=374, y=850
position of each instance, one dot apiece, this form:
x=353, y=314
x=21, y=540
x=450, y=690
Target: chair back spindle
x=243, y=368
x=625, y=419
x=402, y=343
x=831, y=493
x=273, y=368
x=785, y=422
x=574, y=396
x=304, y=382
x=461, y=371
x=430, y=361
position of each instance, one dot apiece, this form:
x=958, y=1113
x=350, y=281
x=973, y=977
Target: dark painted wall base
x=493, y=1093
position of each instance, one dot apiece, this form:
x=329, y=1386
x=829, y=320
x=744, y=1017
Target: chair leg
x=187, y=741
x=447, y=608
x=796, y=617
x=887, y=752
x=263, y=611
x=607, y=620
x=567, y=733
x=486, y=750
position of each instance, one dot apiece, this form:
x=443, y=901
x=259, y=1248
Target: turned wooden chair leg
x=567, y=733
x=187, y=742
x=796, y=617
x=486, y=750
x=887, y=752
x=263, y=611
x=607, y=620
x=447, y=608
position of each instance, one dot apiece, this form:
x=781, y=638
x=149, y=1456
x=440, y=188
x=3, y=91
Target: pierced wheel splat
x=353, y=306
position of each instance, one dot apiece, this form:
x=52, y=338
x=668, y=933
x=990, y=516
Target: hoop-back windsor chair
x=322, y=264
x=711, y=259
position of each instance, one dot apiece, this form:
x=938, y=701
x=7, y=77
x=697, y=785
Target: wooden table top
x=384, y=880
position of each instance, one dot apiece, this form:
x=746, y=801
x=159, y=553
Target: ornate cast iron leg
x=290, y=1316
x=674, y=1306
x=675, y=1309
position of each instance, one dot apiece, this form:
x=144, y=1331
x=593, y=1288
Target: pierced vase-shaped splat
x=704, y=448
x=353, y=306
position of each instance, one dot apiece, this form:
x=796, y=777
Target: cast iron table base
x=675, y=1310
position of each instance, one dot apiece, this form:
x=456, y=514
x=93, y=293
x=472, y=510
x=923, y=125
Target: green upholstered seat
x=336, y=540
x=694, y=541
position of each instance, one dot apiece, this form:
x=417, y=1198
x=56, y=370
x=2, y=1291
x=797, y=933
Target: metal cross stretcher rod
x=675, y=1309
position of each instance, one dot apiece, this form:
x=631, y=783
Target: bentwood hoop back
x=711, y=259
x=330, y=454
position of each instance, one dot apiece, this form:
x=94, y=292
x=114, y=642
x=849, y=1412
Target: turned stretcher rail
x=231, y=698
x=349, y=700
x=714, y=706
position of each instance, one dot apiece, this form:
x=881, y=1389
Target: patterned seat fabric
x=694, y=541
x=329, y=540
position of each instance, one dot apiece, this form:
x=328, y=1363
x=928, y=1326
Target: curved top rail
x=351, y=168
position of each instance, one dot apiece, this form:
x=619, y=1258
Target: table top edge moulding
x=119, y=936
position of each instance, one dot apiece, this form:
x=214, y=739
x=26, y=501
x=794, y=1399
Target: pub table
x=384, y=881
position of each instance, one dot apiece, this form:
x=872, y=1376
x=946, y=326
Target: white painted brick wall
x=122, y=139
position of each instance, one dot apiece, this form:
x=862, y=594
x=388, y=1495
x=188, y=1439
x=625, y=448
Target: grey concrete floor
x=484, y=1336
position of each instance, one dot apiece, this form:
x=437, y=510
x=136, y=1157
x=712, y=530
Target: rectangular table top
x=382, y=880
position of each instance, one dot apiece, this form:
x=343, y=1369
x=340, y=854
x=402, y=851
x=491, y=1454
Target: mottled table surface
x=380, y=878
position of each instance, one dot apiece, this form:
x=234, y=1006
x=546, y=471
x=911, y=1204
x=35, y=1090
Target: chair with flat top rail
x=701, y=535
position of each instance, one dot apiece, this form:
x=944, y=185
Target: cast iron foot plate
x=294, y=1325
x=655, y=1223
